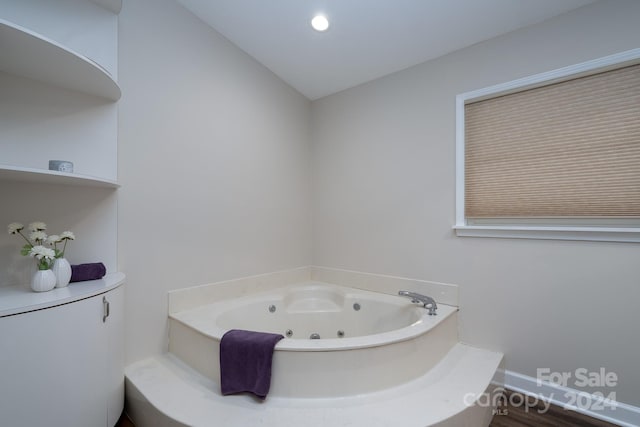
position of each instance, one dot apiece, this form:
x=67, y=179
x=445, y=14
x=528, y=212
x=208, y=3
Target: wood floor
x=521, y=415
x=124, y=422
x=513, y=416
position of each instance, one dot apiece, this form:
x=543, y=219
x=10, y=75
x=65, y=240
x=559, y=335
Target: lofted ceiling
x=366, y=39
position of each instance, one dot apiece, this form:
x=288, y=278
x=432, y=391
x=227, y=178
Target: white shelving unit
x=28, y=54
x=65, y=363
x=39, y=55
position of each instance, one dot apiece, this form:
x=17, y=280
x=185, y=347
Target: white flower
x=14, y=228
x=67, y=235
x=37, y=226
x=38, y=236
x=41, y=252
x=54, y=238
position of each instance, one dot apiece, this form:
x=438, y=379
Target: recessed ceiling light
x=320, y=23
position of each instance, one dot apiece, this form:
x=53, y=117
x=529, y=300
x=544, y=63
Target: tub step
x=164, y=392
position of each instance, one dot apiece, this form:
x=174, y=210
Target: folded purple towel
x=245, y=361
x=82, y=272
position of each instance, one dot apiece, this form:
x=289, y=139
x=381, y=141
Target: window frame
x=545, y=228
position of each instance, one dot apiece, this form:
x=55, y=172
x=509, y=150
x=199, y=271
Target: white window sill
x=598, y=234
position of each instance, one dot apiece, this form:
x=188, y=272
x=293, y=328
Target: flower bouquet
x=46, y=257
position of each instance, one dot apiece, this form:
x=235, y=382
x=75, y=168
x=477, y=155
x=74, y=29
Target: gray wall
x=383, y=202
x=214, y=165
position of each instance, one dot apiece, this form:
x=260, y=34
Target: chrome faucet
x=427, y=302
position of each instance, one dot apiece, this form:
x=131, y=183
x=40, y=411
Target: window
x=555, y=155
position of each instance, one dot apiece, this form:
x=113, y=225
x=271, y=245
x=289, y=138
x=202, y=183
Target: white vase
x=43, y=280
x=62, y=271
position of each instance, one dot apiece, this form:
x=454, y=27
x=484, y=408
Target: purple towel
x=82, y=272
x=245, y=361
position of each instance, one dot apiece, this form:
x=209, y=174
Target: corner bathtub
x=368, y=341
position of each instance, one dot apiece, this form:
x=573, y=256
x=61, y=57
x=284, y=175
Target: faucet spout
x=426, y=301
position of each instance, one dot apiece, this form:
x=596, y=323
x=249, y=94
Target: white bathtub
x=368, y=341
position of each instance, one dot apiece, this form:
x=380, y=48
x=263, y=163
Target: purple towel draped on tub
x=83, y=272
x=245, y=361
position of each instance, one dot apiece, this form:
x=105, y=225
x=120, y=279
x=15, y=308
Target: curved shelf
x=42, y=176
x=20, y=299
x=28, y=54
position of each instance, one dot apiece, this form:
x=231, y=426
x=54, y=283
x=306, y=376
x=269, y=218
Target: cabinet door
x=115, y=362
x=52, y=365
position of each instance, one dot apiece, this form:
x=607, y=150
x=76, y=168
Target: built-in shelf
x=111, y=5
x=42, y=176
x=21, y=299
x=28, y=54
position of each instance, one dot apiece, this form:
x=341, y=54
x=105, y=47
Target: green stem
x=27, y=240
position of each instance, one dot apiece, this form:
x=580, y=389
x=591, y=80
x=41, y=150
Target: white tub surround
x=398, y=339
x=196, y=296
x=395, y=364
x=443, y=293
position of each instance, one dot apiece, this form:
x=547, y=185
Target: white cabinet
x=63, y=366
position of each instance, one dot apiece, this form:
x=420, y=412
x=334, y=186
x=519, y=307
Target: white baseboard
x=611, y=411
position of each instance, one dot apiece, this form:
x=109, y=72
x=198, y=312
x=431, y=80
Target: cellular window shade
x=569, y=149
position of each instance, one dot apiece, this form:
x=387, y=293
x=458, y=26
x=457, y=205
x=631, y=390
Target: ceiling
x=367, y=39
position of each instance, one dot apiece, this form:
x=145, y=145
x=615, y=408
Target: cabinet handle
x=105, y=309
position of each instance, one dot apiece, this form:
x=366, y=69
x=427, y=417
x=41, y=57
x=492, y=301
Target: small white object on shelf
x=61, y=166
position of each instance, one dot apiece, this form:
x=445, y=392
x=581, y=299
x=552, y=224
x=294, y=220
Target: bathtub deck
x=188, y=398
